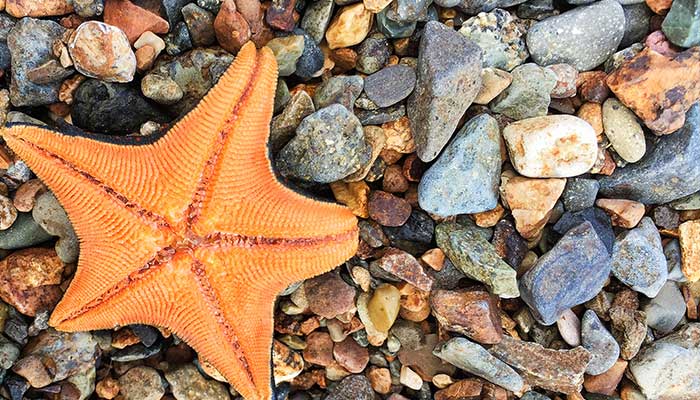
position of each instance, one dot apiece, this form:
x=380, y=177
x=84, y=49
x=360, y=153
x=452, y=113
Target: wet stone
x=287, y=51
x=394, y=29
x=200, y=24
x=415, y=234
x=311, y=59
x=500, y=37
x=339, y=89
x=405, y=267
x=599, y=342
x=473, y=313
x=528, y=94
x=49, y=214
x=31, y=279
x=178, y=40
x=682, y=23
x=390, y=85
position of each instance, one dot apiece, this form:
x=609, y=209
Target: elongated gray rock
x=599, y=342
x=477, y=258
x=571, y=273
x=665, y=310
x=473, y=358
x=464, y=180
x=448, y=80
x=638, y=259
x=668, y=171
x=584, y=37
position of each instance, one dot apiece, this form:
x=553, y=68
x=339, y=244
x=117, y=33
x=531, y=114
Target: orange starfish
x=190, y=230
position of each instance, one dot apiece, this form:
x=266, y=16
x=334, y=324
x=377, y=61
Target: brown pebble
x=435, y=258
x=319, y=349
x=473, y=313
x=232, y=30
x=380, y=380
x=351, y=355
x=623, y=213
x=280, y=15
x=354, y=195
x=345, y=59
x=387, y=209
x=329, y=295
x=593, y=114
x=592, y=86
x=404, y=266
x=145, y=57
x=413, y=168
x=30, y=279
x=132, y=19
x=26, y=194
x=394, y=181
x=487, y=219
x=107, y=388
x=461, y=390
x=607, y=382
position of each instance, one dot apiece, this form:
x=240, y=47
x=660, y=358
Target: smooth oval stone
x=553, y=146
x=390, y=85
x=638, y=259
x=599, y=342
x=449, y=78
x=465, y=178
x=24, y=232
x=665, y=310
x=584, y=37
x=624, y=132
x=571, y=273
x=668, y=171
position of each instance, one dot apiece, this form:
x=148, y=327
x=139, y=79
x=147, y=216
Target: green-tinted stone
x=24, y=232
x=477, y=258
x=287, y=51
x=393, y=29
x=682, y=23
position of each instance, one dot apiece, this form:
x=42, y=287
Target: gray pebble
x=339, y=89
x=666, y=310
x=637, y=18
x=283, y=125
x=24, y=232
x=599, y=342
x=580, y=193
x=49, y=214
x=528, y=94
x=372, y=54
x=316, y=18
x=381, y=115
x=390, y=85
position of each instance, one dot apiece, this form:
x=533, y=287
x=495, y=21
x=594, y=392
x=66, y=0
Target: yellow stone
x=384, y=306
x=354, y=195
x=349, y=27
x=689, y=235
x=376, y=6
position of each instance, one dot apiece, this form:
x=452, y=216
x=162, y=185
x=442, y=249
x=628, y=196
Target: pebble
x=187, y=383
x=372, y=54
x=351, y=355
x=570, y=328
x=51, y=216
x=390, y=85
x=417, y=231
x=410, y=379
x=30, y=42
x=681, y=23
x=316, y=18
x=339, y=89
x=579, y=193
x=569, y=274
x=200, y=24
x=283, y=125
x=380, y=379
x=556, y=370
x=383, y=307
x=329, y=295
x=593, y=114
x=566, y=81
x=493, y=82
x=553, y=146
x=349, y=27
x=319, y=349
x=607, y=382
x=689, y=238
x=465, y=177
x=45, y=8
x=666, y=310
x=31, y=279
x=599, y=342
x=667, y=368
x=141, y=383
x=473, y=358
x=667, y=172
x=9, y=353
x=24, y=232
x=473, y=313
x=329, y=145
x=584, y=37
x=311, y=60
x=500, y=37
x=394, y=29
x=623, y=131
x=528, y=95
x=387, y=209
x=8, y=213
x=623, y=213
x=161, y=89
x=353, y=387
x=287, y=51
x=637, y=17
x=629, y=328
x=178, y=40
x=448, y=80
x=133, y=19
x=638, y=259
x=405, y=267
x=477, y=258
x=531, y=202
x=230, y=27
x=88, y=8
x=656, y=87
x=466, y=388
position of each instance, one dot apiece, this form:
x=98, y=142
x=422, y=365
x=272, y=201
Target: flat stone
x=283, y=125
x=353, y=387
x=373, y=54
x=623, y=213
x=464, y=179
x=493, y=82
x=666, y=310
x=500, y=37
x=473, y=358
x=383, y=307
x=134, y=20
x=668, y=171
x=31, y=279
x=387, y=209
x=584, y=37
x=689, y=238
x=531, y=202
x=45, y=8
x=230, y=27
x=404, y=266
x=473, y=313
x=682, y=23
x=554, y=146
x=187, y=383
x=569, y=274
x=599, y=342
x=623, y=131
x=390, y=85
x=448, y=80
x=339, y=89
x=556, y=370
x=351, y=355
x=24, y=232
x=638, y=259
x=579, y=193
x=668, y=367
x=528, y=95
x=477, y=258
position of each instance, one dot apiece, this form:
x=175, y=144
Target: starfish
x=190, y=229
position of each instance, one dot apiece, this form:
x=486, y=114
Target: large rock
x=571, y=273
x=448, y=79
x=584, y=37
x=682, y=23
x=464, y=180
x=668, y=368
x=668, y=171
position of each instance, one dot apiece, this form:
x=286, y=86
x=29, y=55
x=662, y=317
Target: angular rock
x=464, y=179
x=477, y=258
x=584, y=37
x=373, y=54
x=30, y=280
x=554, y=146
x=474, y=359
x=473, y=313
x=287, y=51
x=599, y=342
x=349, y=27
x=351, y=355
x=316, y=18
x=571, y=273
x=668, y=171
x=682, y=23
x=390, y=85
x=339, y=89
x=387, y=209
x=556, y=370
x=500, y=37
x=230, y=27
x=579, y=194
x=689, y=238
x=187, y=383
x=141, y=383
x=493, y=82
x=448, y=79
x=528, y=94
x=629, y=327
x=405, y=267
x=311, y=60
x=666, y=310
x=531, y=202
x=623, y=213
x=283, y=125
x=134, y=20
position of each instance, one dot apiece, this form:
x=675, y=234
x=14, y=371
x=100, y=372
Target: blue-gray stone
x=599, y=342
x=311, y=59
x=339, y=89
x=172, y=10
x=584, y=37
x=500, y=36
x=528, y=95
x=571, y=273
x=598, y=219
x=316, y=18
x=373, y=54
x=636, y=23
x=393, y=29
x=682, y=23
x=666, y=310
x=465, y=178
x=390, y=85
x=638, y=259
x=178, y=39
x=580, y=193
x=473, y=7
x=24, y=232
x=449, y=78
x=403, y=11
x=30, y=44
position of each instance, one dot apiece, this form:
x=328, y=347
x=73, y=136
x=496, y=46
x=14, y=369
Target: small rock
x=593, y=114
x=474, y=359
x=51, y=216
x=583, y=37
x=500, y=37
x=531, y=202
x=570, y=328
x=353, y=387
x=88, y=8
x=448, y=79
x=351, y=355
x=133, y=19
x=637, y=18
x=394, y=29
x=31, y=279
x=623, y=213
x=493, y=82
x=599, y=342
x=410, y=379
x=629, y=327
x=571, y=273
x=287, y=51
x=553, y=146
x=380, y=379
x=388, y=209
x=623, y=131
x=9, y=353
x=161, y=89
x=477, y=258
x=638, y=259
x=24, y=232
x=283, y=125
x=178, y=40
x=384, y=306
x=339, y=89
x=473, y=313
x=372, y=54
x=141, y=383
x=404, y=266
x=607, y=382
x=187, y=383
x=349, y=27
x=681, y=23
x=666, y=310
x=689, y=237
x=329, y=295
x=528, y=95
x=45, y=8
x=319, y=349
x=230, y=27
x=465, y=177
x=579, y=193
x=465, y=388
x=312, y=58
x=200, y=24
x=316, y=18
x=509, y=244
x=390, y=85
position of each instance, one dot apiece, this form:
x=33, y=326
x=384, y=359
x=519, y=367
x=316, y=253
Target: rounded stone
x=623, y=130
x=102, y=51
x=599, y=342
x=390, y=85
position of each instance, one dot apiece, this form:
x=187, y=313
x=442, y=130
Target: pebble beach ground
x=526, y=177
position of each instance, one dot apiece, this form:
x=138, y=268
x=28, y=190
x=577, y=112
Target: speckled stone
x=372, y=54
x=682, y=23
x=666, y=310
x=579, y=193
x=316, y=18
x=311, y=59
x=583, y=37
x=528, y=94
x=339, y=89
x=624, y=132
x=465, y=178
x=571, y=273
x=449, y=78
x=390, y=85
x=287, y=51
x=500, y=36
x=637, y=18
x=354, y=387
x=599, y=342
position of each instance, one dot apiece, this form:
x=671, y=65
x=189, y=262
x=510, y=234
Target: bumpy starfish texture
x=190, y=230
